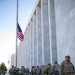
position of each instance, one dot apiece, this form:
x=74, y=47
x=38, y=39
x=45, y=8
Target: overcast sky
x=8, y=24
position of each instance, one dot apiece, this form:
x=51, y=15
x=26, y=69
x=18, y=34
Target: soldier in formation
x=55, y=68
x=66, y=67
x=22, y=70
x=12, y=70
x=33, y=70
x=46, y=69
x=38, y=70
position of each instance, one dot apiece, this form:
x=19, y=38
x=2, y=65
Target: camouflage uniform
x=66, y=68
x=38, y=71
x=12, y=71
x=48, y=69
x=44, y=70
x=55, y=68
x=27, y=71
x=33, y=70
x=23, y=70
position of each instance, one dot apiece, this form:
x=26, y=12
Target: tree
x=3, y=67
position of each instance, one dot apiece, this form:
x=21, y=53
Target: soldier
x=49, y=69
x=27, y=70
x=44, y=69
x=17, y=71
x=38, y=70
x=13, y=70
x=55, y=68
x=23, y=70
x=67, y=67
x=41, y=68
x=33, y=70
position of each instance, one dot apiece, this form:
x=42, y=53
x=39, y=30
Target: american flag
x=19, y=33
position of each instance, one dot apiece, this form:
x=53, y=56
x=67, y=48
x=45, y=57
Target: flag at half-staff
x=20, y=33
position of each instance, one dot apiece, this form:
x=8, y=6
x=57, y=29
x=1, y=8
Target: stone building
x=12, y=60
x=50, y=34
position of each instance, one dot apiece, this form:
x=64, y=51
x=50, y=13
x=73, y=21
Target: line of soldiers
x=46, y=69
x=66, y=68
x=16, y=71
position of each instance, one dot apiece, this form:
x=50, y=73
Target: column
x=23, y=52
x=31, y=23
x=28, y=39
x=39, y=34
x=52, y=32
x=35, y=48
x=30, y=45
x=33, y=39
x=25, y=48
x=45, y=32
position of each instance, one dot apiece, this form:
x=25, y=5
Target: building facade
x=50, y=34
x=12, y=60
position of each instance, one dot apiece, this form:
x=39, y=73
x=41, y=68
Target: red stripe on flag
x=20, y=36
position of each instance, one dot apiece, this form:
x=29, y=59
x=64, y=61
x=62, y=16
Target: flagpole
x=16, y=32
